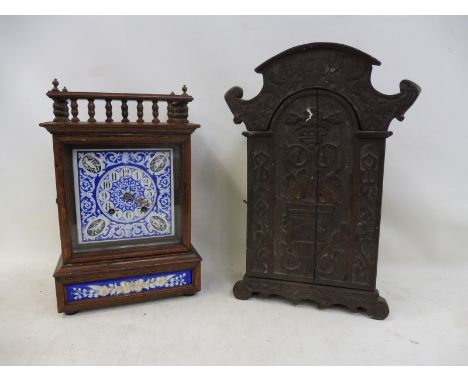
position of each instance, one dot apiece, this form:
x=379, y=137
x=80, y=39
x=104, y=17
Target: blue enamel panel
x=92, y=290
x=123, y=194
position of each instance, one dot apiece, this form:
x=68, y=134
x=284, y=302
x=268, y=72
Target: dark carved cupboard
x=316, y=144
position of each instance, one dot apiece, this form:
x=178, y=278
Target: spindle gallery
x=123, y=198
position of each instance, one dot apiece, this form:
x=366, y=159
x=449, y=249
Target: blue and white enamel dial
x=123, y=194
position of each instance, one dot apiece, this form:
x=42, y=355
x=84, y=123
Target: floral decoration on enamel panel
x=123, y=194
x=126, y=286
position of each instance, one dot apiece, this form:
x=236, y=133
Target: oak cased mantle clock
x=123, y=196
x=315, y=154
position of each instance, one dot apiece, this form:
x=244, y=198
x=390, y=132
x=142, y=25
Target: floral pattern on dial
x=128, y=285
x=123, y=194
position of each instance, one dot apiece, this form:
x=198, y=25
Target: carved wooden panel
x=316, y=145
x=368, y=195
x=259, y=246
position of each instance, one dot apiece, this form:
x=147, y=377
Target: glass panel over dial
x=123, y=194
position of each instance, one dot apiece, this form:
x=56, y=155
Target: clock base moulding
x=108, y=283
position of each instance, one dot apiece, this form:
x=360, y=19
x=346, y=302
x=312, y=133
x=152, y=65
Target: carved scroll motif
x=334, y=67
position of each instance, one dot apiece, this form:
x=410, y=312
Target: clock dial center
x=126, y=193
x=128, y=196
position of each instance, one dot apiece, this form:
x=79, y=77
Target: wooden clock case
x=315, y=151
x=131, y=261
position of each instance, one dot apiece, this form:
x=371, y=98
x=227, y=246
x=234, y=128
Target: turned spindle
x=60, y=105
x=124, y=111
x=74, y=110
x=180, y=109
x=91, y=111
x=155, y=112
x=140, y=111
x=109, y=111
x=180, y=112
x=170, y=110
x=56, y=104
x=64, y=106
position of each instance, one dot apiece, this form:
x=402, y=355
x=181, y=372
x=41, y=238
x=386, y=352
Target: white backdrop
x=425, y=206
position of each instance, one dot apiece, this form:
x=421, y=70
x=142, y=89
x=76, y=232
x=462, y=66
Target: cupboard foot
x=379, y=309
x=241, y=290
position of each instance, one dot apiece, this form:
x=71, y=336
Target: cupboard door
x=314, y=144
x=296, y=140
x=337, y=124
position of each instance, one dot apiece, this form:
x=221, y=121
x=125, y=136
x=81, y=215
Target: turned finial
x=184, y=89
x=64, y=89
x=56, y=84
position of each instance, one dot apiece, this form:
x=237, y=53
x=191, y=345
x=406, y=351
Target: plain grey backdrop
x=424, y=232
